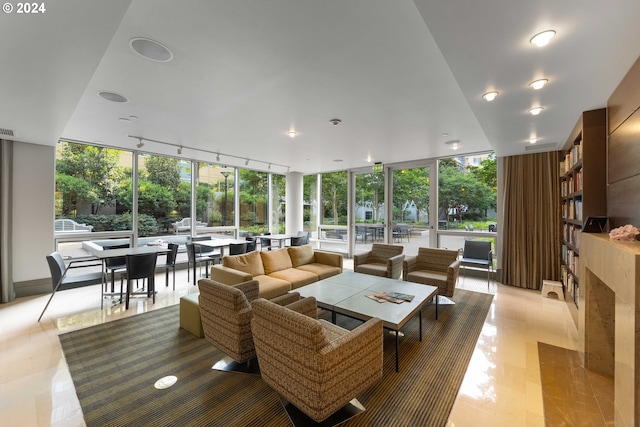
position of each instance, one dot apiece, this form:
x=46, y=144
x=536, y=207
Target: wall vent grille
x=537, y=147
x=6, y=132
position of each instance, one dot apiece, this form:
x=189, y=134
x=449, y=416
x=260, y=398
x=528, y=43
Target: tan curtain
x=6, y=277
x=532, y=224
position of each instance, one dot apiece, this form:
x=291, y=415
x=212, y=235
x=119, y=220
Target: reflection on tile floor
x=502, y=386
x=572, y=395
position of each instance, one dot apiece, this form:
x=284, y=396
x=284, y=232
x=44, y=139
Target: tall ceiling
x=404, y=77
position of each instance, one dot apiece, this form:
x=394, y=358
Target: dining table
x=280, y=238
x=104, y=254
x=215, y=243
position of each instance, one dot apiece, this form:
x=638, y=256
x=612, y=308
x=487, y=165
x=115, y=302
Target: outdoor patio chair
x=139, y=266
x=170, y=264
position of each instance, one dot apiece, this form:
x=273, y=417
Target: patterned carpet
x=114, y=367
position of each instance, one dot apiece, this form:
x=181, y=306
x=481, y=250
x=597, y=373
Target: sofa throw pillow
x=250, y=263
x=275, y=260
x=301, y=255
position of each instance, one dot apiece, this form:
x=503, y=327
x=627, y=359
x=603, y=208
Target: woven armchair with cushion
x=315, y=365
x=382, y=260
x=226, y=315
x=435, y=267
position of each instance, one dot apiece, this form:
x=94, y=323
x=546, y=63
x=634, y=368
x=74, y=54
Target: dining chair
x=170, y=264
x=237, y=248
x=194, y=258
x=139, y=266
x=265, y=243
x=305, y=236
x=251, y=243
x=297, y=240
x=116, y=264
x=477, y=253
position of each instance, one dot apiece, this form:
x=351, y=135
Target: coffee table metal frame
x=346, y=294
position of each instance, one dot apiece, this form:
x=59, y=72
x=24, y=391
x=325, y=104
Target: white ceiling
x=399, y=74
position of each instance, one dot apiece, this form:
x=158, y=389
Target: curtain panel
x=532, y=220
x=6, y=277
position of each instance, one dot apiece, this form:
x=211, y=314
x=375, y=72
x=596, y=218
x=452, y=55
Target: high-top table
x=346, y=294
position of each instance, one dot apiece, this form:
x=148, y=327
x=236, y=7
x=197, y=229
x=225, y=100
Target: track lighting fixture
x=217, y=157
x=246, y=162
x=140, y=144
x=179, y=150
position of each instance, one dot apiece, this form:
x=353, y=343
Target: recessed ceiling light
x=445, y=134
x=292, y=133
x=124, y=119
x=454, y=143
x=150, y=49
x=133, y=117
x=543, y=38
x=533, y=140
x=538, y=84
x=490, y=96
x=337, y=160
x=112, y=96
x=535, y=110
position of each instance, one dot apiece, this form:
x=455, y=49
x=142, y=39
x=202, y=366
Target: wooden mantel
x=609, y=318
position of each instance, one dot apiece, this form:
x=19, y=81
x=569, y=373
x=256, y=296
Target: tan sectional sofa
x=279, y=271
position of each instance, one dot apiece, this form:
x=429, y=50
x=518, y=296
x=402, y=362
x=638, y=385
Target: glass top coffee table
x=346, y=294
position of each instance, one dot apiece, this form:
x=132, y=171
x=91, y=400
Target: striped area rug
x=115, y=365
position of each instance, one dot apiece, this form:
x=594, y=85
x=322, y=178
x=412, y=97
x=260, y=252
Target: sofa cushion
x=426, y=277
x=275, y=260
x=373, y=269
x=271, y=287
x=301, y=255
x=249, y=263
x=321, y=270
x=296, y=276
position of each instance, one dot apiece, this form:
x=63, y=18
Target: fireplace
x=608, y=322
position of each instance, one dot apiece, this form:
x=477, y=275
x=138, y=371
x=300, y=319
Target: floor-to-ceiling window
x=334, y=207
x=278, y=203
x=368, y=210
x=467, y=194
x=254, y=197
x=215, y=195
x=310, y=208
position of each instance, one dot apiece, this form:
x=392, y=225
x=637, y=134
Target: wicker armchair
x=382, y=260
x=226, y=315
x=316, y=366
x=435, y=267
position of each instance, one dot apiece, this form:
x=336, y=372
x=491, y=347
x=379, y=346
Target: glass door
x=412, y=217
x=368, y=210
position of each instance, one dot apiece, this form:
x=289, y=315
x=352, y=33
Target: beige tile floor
x=501, y=387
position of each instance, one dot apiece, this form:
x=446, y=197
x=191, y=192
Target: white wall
x=33, y=211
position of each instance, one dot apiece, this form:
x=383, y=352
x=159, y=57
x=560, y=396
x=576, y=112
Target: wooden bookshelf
x=583, y=187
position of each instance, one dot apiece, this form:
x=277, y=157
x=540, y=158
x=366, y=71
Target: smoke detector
x=335, y=122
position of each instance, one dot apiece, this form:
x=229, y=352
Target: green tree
x=97, y=166
x=411, y=185
x=334, y=196
x=370, y=188
x=487, y=173
x=462, y=192
x=71, y=190
x=153, y=199
x=164, y=171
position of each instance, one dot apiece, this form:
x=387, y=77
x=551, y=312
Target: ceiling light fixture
x=269, y=167
x=292, y=133
x=150, y=49
x=533, y=140
x=112, y=96
x=335, y=122
x=543, y=38
x=454, y=143
x=125, y=120
x=180, y=148
x=538, y=84
x=535, y=110
x=490, y=96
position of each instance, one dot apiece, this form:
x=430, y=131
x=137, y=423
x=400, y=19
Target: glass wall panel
x=310, y=209
x=254, y=195
x=278, y=203
x=215, y=195
x=411, y=189
x=93, y=187
x=368, y=210
x=467, y=193
x=162, y=195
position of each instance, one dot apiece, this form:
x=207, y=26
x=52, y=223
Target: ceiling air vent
x=6, y=132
